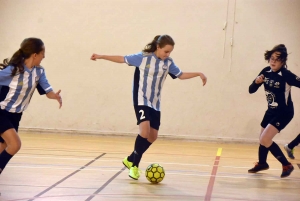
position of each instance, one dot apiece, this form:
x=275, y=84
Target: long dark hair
x=161, y=41
x=28, y=47
x=282, y=56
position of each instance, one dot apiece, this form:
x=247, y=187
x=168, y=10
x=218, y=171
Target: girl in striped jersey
x=153, y=65
x=19, y=77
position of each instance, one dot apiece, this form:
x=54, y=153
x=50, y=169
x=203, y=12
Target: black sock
x=295, y=142
x=147, y=145
x=4, y=158
x=277, y=153
x=131, y=157
x=262, y=154
x=140, y=145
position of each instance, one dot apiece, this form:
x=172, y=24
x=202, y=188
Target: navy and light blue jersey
x=277, y=88
x=17, y=90
x=149, y=77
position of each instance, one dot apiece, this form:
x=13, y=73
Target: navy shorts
x=8, y=120
x=278, y=120
x=145, y=113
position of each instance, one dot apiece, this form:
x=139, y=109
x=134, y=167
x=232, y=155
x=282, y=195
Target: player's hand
x=58, y=98
x=94, y=57
x=203, y=78
x=259, y=79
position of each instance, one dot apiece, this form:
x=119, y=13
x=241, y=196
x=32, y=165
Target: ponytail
x=29, y=46
x=151, y=47
x=159, y=40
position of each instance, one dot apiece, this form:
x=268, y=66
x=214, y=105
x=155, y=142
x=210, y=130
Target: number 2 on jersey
x=142, y=115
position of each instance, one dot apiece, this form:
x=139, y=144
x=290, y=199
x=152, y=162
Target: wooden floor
x=72, y=167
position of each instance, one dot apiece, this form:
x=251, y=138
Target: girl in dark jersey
x=277, y=81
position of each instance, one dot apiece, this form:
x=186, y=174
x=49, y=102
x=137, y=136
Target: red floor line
x=212, y=179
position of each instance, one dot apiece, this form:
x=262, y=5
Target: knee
x=145, y=134
x=14, y=147
x=265, y=142
x=2, y=146
x=153, y=138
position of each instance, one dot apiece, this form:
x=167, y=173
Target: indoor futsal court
x=103, y=78
x=194, y=171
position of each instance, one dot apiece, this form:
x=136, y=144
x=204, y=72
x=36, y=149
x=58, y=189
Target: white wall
x=97, y=95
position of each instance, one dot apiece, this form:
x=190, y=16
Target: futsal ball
x=155, y=173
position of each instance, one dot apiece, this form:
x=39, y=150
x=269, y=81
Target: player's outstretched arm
x=52, y=95
x=117, y=59
x=190, y=75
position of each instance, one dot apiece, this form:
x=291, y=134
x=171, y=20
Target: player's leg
x=289, y=148
x=10, y=139
x=139, y=148
x=276, y=125
x=13, y=142
x=3, y=145
x=148, y=134
x=262, y=157
x=262, y=150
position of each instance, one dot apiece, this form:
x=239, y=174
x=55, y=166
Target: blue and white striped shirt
x=149, y=78
x=21, y=87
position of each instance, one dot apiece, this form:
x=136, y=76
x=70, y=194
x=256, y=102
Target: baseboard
x=131, y=134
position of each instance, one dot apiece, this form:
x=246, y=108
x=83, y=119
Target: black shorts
x=279, y=120
x=8, y=120
x=145, y=113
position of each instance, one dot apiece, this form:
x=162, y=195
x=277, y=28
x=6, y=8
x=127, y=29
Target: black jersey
x=277, y=88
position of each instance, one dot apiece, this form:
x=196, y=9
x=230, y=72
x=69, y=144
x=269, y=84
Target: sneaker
x=290, y=152
x=287, y=170
x=258, y=167
x=134, y=173
x=127, y=163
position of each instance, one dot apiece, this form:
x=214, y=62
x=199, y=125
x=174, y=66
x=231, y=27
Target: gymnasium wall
x=225, y=39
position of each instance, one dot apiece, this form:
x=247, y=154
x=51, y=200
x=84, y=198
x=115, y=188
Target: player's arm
x=55, y=96
x=259, y=80
x=292, y=79
x=175, y=70
x=113, y=58
x=189, y=75
x=48, y=89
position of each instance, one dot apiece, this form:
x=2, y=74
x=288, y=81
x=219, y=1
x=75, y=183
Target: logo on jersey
x=277, y=124
x=297, y=78
x=276, y=85
x=164, y=67
x=271, y=83
x=271, y=99
x=20, y=83
x=148, y=66
x=266, y=80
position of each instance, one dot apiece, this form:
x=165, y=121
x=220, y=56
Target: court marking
x=213, y=176
x=60, y=181
x=104, y=185
x=136, y=195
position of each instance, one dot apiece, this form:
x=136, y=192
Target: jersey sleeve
x=292, y=79
x=174, y=70
x=43, y=82
x=172, y=76
x=5, y=76
x=40, y=89
x=254, y=87
x=134, y=59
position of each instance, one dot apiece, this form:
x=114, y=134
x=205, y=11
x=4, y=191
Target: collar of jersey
x=156, y=56
x=27, y=69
